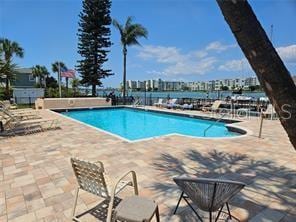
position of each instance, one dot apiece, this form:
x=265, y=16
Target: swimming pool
x=134, y=124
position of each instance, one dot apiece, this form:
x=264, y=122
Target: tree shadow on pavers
x=270, y=189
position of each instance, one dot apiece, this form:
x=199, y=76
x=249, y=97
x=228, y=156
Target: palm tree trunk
x=124, y=73
x=45, y=85
x=262, y=56
x=93, y=90
x=7, y=91
x=67, y=83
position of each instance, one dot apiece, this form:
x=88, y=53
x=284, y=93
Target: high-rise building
x=218, y=84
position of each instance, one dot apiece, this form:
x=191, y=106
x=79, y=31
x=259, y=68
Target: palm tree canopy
x=55, y=66
x=130, y=32
x=75, y=82
x=10, y=48
x=8, y=70
x=40, y=71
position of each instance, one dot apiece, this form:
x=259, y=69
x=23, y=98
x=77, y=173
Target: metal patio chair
x=91, y=178
x=209, y=195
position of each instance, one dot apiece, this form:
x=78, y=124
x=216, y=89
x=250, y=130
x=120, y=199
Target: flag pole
x=59, y=77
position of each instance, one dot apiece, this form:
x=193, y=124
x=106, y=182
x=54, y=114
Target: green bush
x=54, y=92
x=3, y=95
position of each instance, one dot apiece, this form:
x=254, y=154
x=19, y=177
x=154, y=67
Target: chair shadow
x=264, y=179
x=100, y=211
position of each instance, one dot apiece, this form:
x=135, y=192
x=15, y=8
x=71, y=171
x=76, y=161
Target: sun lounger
x=20, y=115
x=14, y=126
x=214, y=108
x=172, y=104
x=159, y=103
x=7, y=105
x=187, y=106
x=209, y=195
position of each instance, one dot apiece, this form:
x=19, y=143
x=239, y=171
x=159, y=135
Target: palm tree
x=75, y=85
x=129, y=34
x=274, y=77
x=9, y=49
x=41, y=73
x=1, y=60
x=56, y=67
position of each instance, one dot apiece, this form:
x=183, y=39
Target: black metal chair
x=209, y=195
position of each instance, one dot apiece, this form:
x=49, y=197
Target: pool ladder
x=210, y=126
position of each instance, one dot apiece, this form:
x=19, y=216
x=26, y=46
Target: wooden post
x=261, y=125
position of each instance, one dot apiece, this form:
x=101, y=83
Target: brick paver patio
x=37, y=182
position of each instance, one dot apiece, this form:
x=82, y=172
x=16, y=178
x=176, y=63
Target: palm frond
x=55, y=66
x=8, y=70
x=128, y=22
x=10, y=48
x=130, y=32
x=120, y=28
x=134, y=32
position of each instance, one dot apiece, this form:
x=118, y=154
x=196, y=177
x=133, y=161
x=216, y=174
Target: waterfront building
x=218, y=84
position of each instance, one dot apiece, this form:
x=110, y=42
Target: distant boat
x=239, y=91
x=241, y=98
x=263, y=99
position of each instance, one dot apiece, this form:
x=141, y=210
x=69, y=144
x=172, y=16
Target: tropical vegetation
x=9, y=49
x=41, y=73
x=94, y=42
x=75, y=82
x=129, y=34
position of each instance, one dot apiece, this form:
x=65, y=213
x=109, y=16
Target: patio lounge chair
x=270, y=111
x=159, y=103
x=172, y=104
x=20, y=115
x=187, y=106
x=208, y=195
x=7, y=105
x=214, y=108
x=13, y=126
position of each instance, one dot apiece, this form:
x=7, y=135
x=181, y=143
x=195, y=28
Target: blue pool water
x=135, y=124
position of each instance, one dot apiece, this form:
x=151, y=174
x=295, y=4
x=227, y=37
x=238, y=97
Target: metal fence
x=30, y=101
x=252, y=105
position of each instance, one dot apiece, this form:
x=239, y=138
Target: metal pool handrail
x=210, y=126
x=137, y=102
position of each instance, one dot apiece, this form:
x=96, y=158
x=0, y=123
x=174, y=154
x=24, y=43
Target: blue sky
x=188, y=40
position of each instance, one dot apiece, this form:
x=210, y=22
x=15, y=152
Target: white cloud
x=287, y=53
x=234, y=65
x=178, y=63
x=160, y=53
x=218, y=46
x=191, y=67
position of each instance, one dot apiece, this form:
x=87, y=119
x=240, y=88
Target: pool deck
x=37, y=181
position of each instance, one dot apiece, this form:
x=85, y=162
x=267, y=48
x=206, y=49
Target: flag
x=68, y=73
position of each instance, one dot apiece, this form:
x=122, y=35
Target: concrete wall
x=68, y=103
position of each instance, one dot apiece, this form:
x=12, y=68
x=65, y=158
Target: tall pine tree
x=94, y=41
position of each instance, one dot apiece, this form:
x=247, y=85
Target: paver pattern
x=38, y=184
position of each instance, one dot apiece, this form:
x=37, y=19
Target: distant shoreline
x=184, y=94
x=185, y=91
